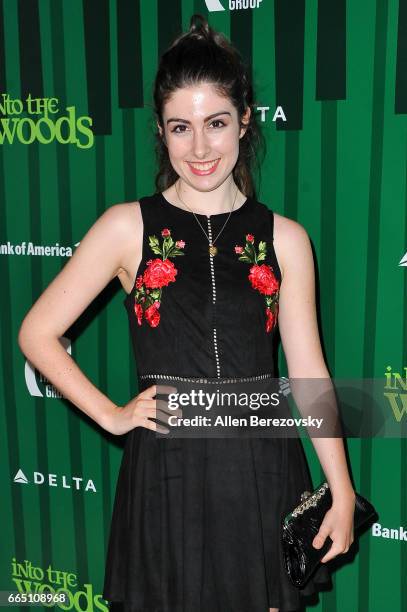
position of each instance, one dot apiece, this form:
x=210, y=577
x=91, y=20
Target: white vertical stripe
x=215, y=341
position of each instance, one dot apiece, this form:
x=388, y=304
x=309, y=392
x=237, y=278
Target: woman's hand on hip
x=139, y=411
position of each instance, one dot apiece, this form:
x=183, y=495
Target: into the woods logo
x=67, y=592
x=396, y=392
x=40, y=124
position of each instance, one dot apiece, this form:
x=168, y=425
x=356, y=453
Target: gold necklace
x=212, y=248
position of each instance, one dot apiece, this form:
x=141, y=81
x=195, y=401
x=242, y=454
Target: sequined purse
x=300, y=527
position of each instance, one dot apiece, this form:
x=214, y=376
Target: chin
x=206, y=185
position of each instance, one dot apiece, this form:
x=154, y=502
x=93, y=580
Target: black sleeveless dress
x=196, y=521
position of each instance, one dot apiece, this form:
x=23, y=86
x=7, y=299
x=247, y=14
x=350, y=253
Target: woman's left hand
x=338, y=525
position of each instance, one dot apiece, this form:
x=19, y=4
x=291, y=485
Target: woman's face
x=202, y=134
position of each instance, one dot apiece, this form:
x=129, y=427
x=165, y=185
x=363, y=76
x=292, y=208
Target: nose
x=200, y=145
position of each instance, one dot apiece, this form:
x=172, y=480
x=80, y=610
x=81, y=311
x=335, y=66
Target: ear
x=245, y=119
x=161, y=132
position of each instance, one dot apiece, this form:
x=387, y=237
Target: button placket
x=214, y=330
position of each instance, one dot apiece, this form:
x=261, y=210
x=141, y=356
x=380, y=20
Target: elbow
x=27, y=337
x=23, y=337
x=32, y=336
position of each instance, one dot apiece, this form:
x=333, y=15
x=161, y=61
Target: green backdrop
x=337, y=164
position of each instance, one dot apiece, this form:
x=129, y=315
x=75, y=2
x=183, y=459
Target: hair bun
x=199, y=25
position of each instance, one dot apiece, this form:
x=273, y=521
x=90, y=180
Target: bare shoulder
x=291, y=243
x=122, y=218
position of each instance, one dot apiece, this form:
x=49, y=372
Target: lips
x=204, y=168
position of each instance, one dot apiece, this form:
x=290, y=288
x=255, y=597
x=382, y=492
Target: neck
x=219, y=200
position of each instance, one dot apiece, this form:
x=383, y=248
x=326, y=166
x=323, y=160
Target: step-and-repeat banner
x=77, y=136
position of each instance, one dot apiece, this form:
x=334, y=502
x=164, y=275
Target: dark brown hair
x=204, y=55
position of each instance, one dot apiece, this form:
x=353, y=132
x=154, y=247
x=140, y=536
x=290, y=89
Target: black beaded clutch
x=300, y=527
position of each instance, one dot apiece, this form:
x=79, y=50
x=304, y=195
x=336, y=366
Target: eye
x=180, y=125
x=222, y=123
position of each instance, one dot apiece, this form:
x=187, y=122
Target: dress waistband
x=215, y=381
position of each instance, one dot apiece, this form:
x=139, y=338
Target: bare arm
x=101, y=254
x=302, y=348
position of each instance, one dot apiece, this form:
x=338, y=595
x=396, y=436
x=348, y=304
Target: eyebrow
x=206, y=118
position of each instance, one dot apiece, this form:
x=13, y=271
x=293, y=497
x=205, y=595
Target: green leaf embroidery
x=174, y=252
x=155, y=245
x=251, y=251
x=153, y=240
x=245, y=258
x=156, y=250
x=167, y=244
x=155, y=293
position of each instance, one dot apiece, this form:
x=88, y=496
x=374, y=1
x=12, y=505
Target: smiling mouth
x=204, y=165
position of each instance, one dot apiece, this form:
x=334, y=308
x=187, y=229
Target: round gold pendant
x=212, y=250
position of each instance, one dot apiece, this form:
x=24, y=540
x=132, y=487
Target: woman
x=209, y=273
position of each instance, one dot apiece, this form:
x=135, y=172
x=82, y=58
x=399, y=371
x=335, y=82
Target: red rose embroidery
x=139, y=313
x=152, y=315
x=139, y=281
x=159, y=273
x=270, y=319
x=261, y=277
